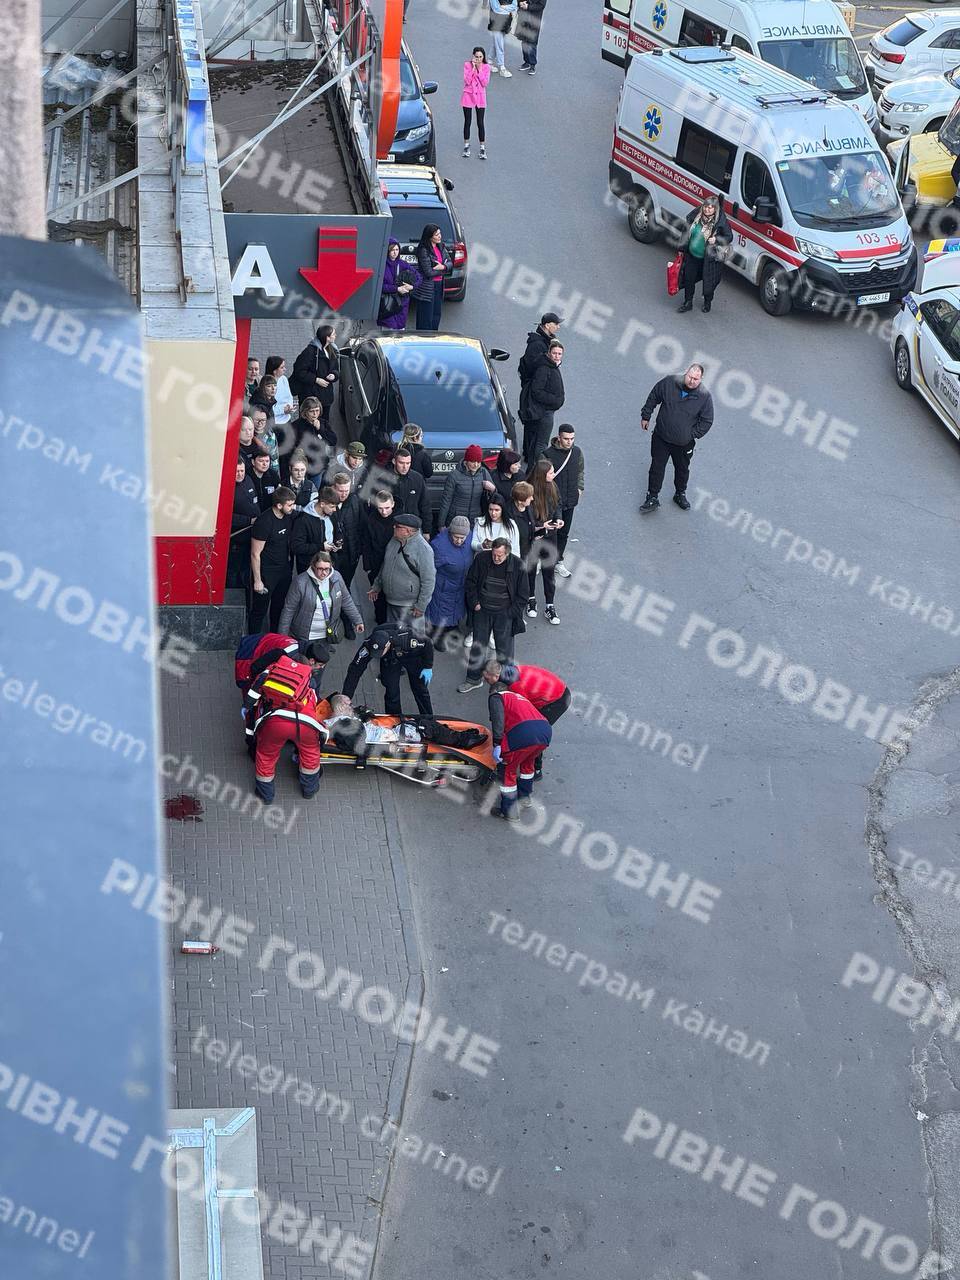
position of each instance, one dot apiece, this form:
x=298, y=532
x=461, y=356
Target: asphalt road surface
x=792, y=936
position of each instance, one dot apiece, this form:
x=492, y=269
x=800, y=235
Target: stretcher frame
x=426, y=763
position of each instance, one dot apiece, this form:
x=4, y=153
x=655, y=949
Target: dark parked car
x=443, y=382
x=415, y=141
x=417, y=195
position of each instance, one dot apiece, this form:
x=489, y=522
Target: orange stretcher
x=427, y=763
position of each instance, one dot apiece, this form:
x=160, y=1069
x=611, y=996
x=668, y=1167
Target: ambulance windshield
x=831, y=65
x=838, y=191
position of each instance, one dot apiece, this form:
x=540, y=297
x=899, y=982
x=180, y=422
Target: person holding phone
x=548, y=521
x=495, y=524
x=476, y=77
x=433, y=263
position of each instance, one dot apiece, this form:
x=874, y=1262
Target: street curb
x=414, y=992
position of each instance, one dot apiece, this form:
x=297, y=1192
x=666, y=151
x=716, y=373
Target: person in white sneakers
x=476, y=77
x=500, y=24
x=566, y=458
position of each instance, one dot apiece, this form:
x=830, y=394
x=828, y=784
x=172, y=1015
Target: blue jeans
x=428, y=313
x=529, y=53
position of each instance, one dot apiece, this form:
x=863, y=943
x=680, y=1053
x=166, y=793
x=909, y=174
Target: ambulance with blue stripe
x=816, y=219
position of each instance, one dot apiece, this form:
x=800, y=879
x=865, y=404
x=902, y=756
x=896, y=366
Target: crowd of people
x=462, y=580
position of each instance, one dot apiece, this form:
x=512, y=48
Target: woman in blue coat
x=452, y=556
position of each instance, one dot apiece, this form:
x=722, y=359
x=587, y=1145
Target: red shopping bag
x=673, y=274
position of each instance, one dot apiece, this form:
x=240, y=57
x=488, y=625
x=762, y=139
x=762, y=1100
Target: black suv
x=417, y=195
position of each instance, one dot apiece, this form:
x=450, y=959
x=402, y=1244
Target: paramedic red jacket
x=537, y=684
x=255, y=653
x=270, y=727
x=515, y=722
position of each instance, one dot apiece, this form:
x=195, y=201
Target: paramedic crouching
x=685, y=416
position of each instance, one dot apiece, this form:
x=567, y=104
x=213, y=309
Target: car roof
x=923, y=18
x=452, y=350
x=941, y=272
x=422, y=186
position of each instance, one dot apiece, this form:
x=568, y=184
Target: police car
x=926, y=335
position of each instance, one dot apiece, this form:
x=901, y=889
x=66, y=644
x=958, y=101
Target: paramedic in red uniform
x=276, y=722
x=543, y=688
x=255, y=653
x=520, y=736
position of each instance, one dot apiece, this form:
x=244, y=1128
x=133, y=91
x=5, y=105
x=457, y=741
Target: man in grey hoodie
x=408, y=575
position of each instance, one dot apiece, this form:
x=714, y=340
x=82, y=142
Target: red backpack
x=284, y=685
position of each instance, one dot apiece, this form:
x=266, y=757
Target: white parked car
x=919, y=43
x=919, y=104
x=926, y=339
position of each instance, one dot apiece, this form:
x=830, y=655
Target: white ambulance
x=812, y=39
x=815, y=216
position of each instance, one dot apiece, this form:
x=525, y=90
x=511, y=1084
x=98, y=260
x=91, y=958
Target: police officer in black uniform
x=400, y=650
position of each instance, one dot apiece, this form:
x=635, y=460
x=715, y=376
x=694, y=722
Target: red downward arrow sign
x=336, y=276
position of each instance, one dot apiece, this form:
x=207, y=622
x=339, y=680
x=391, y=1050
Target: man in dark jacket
x=463, y=489
x=537, y=342
x=376, y=530
x=246, y=508
x=410, y=495
x=348, y=510
x=496, y=592
x=566, y=458
x=540, y=400
x=316, y=529
x=686, y=415
x=529, y=18
x=263, y=477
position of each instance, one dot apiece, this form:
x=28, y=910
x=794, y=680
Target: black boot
x=706, y=303
x=681, y=500
x=686, y=305
x=650, y=503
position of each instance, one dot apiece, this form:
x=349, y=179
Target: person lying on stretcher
x=362, y=733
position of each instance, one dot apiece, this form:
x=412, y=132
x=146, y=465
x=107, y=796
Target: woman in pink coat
x=476, y=77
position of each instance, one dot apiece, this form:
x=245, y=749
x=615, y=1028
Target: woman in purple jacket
x=399, y=278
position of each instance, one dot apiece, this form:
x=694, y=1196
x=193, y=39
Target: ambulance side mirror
x=764, y=211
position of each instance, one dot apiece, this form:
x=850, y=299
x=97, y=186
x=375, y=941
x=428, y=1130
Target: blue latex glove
x=496, y=754
x=427, y=675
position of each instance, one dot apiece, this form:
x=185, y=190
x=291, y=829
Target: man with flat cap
x=408, y=575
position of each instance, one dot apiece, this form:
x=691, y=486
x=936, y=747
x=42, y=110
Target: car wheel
x=901, y=366
x=640, y=217
x=775, y=291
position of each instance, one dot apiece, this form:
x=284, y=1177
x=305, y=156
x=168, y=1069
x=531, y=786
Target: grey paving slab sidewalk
x=332, y=886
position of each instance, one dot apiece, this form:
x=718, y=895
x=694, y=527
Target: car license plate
x=387, y=159
x=865, y=299
x=443, y=466
x=409, y=257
